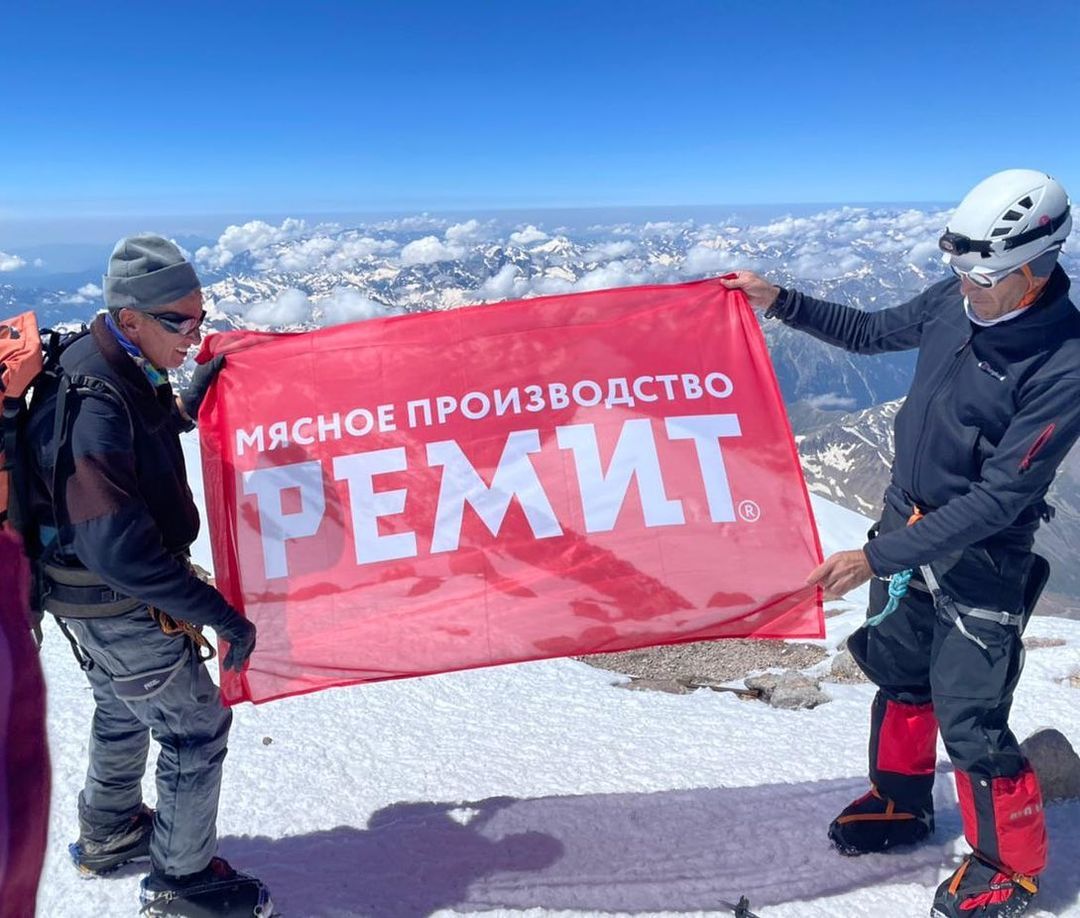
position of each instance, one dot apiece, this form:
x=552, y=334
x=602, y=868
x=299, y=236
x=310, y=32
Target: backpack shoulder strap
x=80, y=385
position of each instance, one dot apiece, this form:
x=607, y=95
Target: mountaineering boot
x=874, y=823
x=979, y=889
x=128, y=842
x=216, y=891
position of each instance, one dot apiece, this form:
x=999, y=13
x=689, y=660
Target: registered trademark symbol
x=749, y=511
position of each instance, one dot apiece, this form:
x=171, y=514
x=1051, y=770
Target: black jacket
x=991, y=413
x=122, y=484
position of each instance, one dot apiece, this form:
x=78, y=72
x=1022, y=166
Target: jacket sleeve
x=896, y=329
x=113, y=532
x=1018, y=474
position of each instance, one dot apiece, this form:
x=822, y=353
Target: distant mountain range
x=295, y=276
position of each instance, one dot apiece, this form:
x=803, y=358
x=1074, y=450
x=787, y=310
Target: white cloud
x=256, y=236
x=353, y=250
x=10, y=262
x=822, y=264
x=291, y=308
x=430, y=249
x=608, y=250
x=344, y=304
x=613, y=274
x=704, y=259
x=304, y=255
x=293, y=247
x=528, y=235
x=420, y=223
x=665, y=228
x=427, y=251
x=294, y=307
x=461, y=234
x=507, y=283
x=831, y=401
x=834, y=243
x=87, y=293
x=922, y=253
x=39, y=262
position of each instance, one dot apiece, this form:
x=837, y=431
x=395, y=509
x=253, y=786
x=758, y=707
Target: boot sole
x=91, y=868
x=847, y=850
x=248, y=899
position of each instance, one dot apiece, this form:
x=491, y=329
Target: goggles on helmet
x=177, y=323
x=959, y=244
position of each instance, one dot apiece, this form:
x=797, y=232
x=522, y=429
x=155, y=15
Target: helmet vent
x=1012, y=215
x=1000, y=231
x=1026, y=202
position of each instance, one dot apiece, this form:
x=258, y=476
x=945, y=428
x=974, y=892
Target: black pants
x=931, y=676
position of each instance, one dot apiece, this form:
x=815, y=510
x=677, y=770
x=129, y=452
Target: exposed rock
x=685, y=687
x=1055, y=762
x=1038, y=643
x=709, y=661
x=789, y=690
x=845, y=669
x=671, y=686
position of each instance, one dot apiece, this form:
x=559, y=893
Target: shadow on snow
x=681, y=851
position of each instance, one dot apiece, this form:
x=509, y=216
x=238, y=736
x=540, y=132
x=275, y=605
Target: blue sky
x=270, y=107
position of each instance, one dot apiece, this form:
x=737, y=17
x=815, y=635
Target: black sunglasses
x=176, y=323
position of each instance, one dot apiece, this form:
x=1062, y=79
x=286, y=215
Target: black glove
x=240, y=634
x=205, y=373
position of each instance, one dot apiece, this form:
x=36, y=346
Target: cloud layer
x=295, y=274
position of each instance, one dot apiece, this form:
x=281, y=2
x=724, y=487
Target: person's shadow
x=684, y=851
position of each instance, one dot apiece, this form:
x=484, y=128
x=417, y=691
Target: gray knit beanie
x=146, y=272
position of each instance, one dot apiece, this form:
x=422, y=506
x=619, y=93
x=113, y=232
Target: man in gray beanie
x=119, y=582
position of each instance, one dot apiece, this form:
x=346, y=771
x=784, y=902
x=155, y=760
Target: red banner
x=556, y=476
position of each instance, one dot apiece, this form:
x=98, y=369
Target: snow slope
x=541, y=788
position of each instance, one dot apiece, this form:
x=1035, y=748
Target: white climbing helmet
x=1006, y=221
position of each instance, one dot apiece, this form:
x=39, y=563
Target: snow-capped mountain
x=298, y=276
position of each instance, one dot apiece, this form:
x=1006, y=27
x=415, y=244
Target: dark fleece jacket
x=123, y=485
x=991, y=413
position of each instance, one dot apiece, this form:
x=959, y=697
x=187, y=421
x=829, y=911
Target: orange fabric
x=890, y=814
x=1034, y=288
x=958, y=876
x=20, y=354
x=20, y=362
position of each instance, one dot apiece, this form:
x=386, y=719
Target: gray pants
x=181, y=709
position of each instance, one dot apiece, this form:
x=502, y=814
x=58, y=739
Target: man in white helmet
x=993, y=409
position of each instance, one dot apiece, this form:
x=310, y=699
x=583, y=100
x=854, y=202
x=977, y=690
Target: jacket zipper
x=1040, y=441
x=958, y=359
